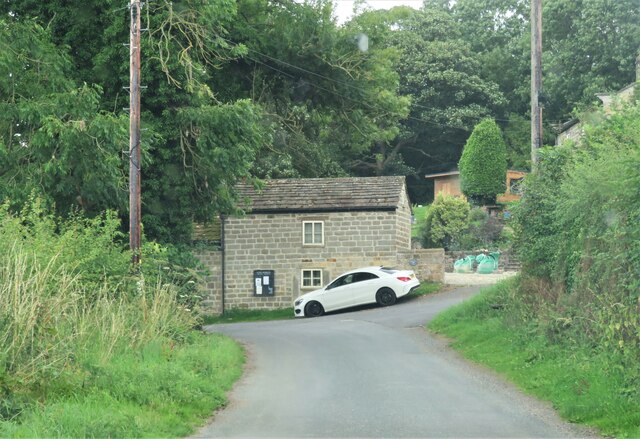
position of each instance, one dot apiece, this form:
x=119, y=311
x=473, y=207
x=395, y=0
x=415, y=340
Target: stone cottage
x=574, y=130
x=299, y=234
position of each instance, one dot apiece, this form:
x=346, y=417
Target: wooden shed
x=448, y=183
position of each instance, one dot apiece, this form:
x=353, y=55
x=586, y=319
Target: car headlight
x=298, y=302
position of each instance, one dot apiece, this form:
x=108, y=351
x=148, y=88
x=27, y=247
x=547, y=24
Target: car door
x=339, y=293
x=365, y=287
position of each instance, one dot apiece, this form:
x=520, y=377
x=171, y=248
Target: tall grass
x=48, y=321
x=89, y=350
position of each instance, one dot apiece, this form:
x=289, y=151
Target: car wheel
x=385, y=297
x=313, y=309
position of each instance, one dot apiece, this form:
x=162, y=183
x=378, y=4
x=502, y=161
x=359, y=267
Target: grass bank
x=427, y=288
x=586, y=384
x=160, y=390
x=419, y=213
x=236, y=315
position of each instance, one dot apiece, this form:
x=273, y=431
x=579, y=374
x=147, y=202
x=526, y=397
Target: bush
x=445, y=222
x=484, y=231
x=483, y=165
x=578, y=235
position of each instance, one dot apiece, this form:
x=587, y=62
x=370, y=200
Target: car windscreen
x=388, y=270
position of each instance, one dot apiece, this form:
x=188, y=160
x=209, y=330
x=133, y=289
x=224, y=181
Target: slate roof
x=323, y=195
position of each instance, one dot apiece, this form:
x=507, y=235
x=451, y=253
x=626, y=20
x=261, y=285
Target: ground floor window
x=311, y=278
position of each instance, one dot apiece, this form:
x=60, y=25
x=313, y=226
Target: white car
x=357, y=287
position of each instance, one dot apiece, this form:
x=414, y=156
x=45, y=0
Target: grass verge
x=586, y=385
x=236, y=315
x=162, y=390
x=427, y=288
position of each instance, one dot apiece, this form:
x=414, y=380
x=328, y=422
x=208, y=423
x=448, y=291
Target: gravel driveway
x=476, y=279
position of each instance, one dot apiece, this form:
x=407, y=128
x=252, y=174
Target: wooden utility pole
x=134, y=133
x=536, y=79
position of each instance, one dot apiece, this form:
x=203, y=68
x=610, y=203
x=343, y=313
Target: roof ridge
x=325, y=194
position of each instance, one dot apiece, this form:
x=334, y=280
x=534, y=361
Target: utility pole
x=134, y=133
x=536, y=79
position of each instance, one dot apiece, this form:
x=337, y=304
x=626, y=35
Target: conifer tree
x=483, y=165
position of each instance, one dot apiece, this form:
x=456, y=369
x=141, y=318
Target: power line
x=346, y=84
x=351, y=99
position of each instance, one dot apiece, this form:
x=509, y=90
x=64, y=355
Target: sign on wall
x=263, y=282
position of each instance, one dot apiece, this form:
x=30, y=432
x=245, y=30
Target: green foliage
x=483, y=232
x=93, y=251
x=419, y=214
x=162, y=389
x=281, y=87
x=517, y=136
x=439, y=71
x=79, y=332
x=577, y=236
x=578, y=61
x=53, y=137
x=445, y=222
x=579, y=212
x=483, y=165
x=331, y=105
x=451, y=223
x=427, y=288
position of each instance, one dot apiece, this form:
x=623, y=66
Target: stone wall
x=212, y=295
x=428, y=263
x=403, y=222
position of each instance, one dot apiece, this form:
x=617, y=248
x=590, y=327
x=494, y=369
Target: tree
x=195, y=146
x=439, y=72
x=327, y=99
x=483, y=165
x=54, y=139
x=590, y=46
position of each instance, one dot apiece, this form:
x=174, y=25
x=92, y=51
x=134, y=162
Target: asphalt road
x=373, y=372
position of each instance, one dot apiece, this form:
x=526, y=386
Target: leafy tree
x=196, y=147
x=517, y=136
x=590, y=47
x=440, y=73
x=328, y=99
x=446, y=222
x=54, y=139
x=483, y=165
x=498, y=32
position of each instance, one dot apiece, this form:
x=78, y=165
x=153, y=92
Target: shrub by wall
x=445, y=222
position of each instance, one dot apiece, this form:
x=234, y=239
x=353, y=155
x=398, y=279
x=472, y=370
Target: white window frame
x=311, y=277
x=313, y=234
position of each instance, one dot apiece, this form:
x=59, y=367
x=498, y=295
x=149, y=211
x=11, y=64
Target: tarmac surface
x=373, y=372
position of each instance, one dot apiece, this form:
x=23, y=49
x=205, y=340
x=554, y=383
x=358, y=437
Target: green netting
x=464, y=265
x=487, y=264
